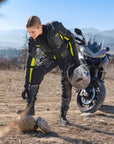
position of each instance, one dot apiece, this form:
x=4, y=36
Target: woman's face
x=34, y=32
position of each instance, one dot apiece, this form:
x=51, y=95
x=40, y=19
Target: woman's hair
x=33, y=21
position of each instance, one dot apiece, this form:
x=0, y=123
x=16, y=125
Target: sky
x=98, y=14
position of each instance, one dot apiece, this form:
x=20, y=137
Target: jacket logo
x=37, y=45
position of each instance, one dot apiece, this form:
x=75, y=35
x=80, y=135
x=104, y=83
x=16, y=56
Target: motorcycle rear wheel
x=89, y=103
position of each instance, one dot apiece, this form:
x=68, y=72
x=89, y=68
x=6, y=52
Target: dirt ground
x=95, y=129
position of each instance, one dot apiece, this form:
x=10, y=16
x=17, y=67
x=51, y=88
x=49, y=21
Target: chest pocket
x=58, y=40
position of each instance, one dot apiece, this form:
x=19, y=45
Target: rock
x=87, y=114
x=26, y=123
x=101, y=121
x=43, y=125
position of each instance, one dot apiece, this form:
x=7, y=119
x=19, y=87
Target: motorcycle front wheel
x=94, y=100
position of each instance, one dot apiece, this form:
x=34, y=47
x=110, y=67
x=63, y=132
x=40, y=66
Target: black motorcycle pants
x=46, y=66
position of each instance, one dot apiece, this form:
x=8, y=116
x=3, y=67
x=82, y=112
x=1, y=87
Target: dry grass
x=95, y=129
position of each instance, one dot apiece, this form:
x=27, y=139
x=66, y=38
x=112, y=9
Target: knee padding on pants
x=37, y=76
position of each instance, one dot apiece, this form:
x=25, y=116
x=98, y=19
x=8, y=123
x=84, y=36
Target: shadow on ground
x=107, y=109
x=95, y=130
x=40, y=134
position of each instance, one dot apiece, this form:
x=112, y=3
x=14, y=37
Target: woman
x=59, y=49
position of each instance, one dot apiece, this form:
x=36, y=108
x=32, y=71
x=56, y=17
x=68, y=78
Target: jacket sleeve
x=30, y=63
x=70, y=37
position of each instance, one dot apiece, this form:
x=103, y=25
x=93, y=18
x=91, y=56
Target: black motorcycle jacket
x=56, y=42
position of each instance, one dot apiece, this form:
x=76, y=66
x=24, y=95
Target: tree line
x=16, y=59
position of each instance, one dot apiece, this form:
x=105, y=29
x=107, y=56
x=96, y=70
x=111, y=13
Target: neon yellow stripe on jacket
x=44, y=55
x=71, y=49
x=37, y=45
x=66, y=38
x=61, y=36
x=54, y=57
x=31, y=69
x=56, y=35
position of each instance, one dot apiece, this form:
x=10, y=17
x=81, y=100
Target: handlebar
x=80, y=41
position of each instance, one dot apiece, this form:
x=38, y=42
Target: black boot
x=63, y=112
x=29, y=108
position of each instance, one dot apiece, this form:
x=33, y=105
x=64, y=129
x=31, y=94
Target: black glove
x=25, y=93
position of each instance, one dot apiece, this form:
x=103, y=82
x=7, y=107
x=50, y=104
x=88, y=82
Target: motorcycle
x=96, y=58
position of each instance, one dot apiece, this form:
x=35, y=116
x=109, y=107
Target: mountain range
x=12, y=39
x=16, y=38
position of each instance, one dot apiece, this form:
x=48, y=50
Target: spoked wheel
x=94, y=100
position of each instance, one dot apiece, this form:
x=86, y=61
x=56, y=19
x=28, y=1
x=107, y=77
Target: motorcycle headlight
x=86, y=54
x=100, y=56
